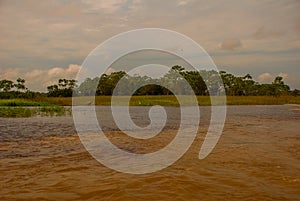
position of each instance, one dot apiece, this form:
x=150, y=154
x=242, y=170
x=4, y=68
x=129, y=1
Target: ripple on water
x=256, y=159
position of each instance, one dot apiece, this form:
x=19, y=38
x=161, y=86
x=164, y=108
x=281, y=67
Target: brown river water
x=256, y=158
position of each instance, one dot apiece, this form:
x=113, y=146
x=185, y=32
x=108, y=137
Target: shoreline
x=66, y=111
x=165, y=100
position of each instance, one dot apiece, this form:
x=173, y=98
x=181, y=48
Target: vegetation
x=10, y=90
x=240, y=90
x=28, y=108
x=170, y=100
x=34, y=111
x=22, y=102
x=64, y=88
x=53, y=111
x=202, y=83
x=15, y=112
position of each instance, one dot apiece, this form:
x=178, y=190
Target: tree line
x=64, y=88
x=10, y=89
x=202, y=83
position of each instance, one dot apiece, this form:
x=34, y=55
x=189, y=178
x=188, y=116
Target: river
x=256, y=158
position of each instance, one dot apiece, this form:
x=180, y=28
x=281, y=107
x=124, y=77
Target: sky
x=42, y=41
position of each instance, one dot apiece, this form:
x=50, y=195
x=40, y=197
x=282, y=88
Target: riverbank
x=29, y=108
x=52, y=106
x=172, y=101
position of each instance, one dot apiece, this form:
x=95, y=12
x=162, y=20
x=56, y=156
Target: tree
x=228, y=81
x=295, y=92
x=20, y=85
x=72, y=84
x=6, y=85
x=196, y=82
x=173, y=80
x=107, y=83
x=249, y=85
x=279, y=87
x=88, y=87
x=64, y=88
x=202, y=82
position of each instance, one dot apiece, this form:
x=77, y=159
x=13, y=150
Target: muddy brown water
x=256, y=158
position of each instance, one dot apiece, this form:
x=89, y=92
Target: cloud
x=111, y=6
x=231, y=44
x=269, y=78
x=109, y=71
x=262, y=33
x=44, y=34
x=265, y=78
x=69, y=72
x=297, y=26
x=283, y=75
x=8, y=73
x=34, y=74
x=105, y=6
x=37, y=79
x=182, y=2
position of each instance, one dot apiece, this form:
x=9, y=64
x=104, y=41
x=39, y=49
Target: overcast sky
x=42, y=41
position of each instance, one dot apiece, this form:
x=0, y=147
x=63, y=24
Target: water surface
x=257, y=158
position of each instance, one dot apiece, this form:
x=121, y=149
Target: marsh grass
x=15, y=112
x=53, y=111
x=55, y=106
x=22, y=103
x=52, y=106
x=262, y=100
x=34, y=111
x=172, y=101
x=62, y=101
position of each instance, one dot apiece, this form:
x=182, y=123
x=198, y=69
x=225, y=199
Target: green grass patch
x=34, y=111
x=165, y=100
x=62, y=101
x=15, y=112
x=55, y=106
x=262, y=100
x=22, y=103
x=54, y=111
x=172, y=101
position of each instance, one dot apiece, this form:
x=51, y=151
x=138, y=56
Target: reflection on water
x=257, y=158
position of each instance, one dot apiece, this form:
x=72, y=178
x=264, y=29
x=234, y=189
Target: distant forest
x=105, y=85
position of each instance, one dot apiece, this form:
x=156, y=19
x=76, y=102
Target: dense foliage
x=64, y=88
x=201, y=83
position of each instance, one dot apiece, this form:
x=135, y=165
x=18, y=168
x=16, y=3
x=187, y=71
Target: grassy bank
x=29, y=108
x=150, y=100
x=15, y=112
x=54, y=106
x=262, y=100
x=22, y=103
x=172, y=101
x=34, y=111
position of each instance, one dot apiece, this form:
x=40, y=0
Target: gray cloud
x=269, y=78
x=39, y=79
x=297, y=26
x=265, y=78
x=41, y=34
x=262, y=33
x=231, y=44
